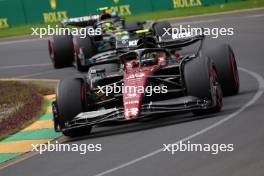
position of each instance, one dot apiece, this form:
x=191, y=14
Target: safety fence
x=14, y=12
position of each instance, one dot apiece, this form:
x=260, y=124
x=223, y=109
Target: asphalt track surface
x=135, y=149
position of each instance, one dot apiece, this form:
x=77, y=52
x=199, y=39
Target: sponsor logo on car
x=4, y=23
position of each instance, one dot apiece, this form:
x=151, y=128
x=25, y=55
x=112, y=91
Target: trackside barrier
x=15, y=12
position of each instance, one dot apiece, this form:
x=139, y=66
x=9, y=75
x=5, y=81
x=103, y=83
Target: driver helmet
x=109, y=27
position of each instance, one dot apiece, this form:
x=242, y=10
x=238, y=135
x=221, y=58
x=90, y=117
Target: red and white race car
x=154, y=80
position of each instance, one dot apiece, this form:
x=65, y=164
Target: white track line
x=23, y=66
x=254, y=16
x=196, y=22
x=37, y=74
x=217, y=20
x=257, y=95
x=21, y=41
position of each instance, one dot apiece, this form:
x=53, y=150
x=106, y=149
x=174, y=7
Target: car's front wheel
x=201, y=80
x=70, y=98
x=226, y=66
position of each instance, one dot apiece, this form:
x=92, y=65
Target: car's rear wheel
x=201, y=81
x=88, y=48
x=70, y=97
x=159, y=30
x=61, y=50
x=226, y=66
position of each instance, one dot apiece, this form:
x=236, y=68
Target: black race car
x=178, y=82
x=64, y=50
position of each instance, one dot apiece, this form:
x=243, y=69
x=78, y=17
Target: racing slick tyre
x=88, y=49
x=201, y=81
x=70, y=97
x=226, y=66
x=61, y=50
x=158, y=29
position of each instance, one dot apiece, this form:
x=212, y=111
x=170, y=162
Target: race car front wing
x=151, y=109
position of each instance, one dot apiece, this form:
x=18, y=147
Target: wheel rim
x=234, y=70
x=215, y=88
x=51, y=51
x=82, y=91
x=75, y=52
x=75, y=55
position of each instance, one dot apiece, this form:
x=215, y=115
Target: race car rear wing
x=175, y=43
x=81, y=21
x=179, y=43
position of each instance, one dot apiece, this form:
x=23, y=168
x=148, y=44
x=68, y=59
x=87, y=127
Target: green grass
x=30, y=96
x=179, y=12
x=7, y=156
x=21, y=30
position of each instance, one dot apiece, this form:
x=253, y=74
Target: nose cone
x=132, y=102
x=133, y=93
x=131, y=113
x=135, y=81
